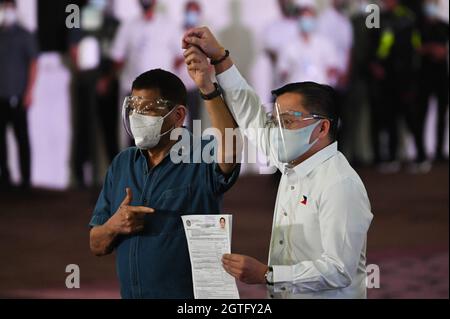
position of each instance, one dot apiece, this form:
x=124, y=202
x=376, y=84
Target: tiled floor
x=42, y=232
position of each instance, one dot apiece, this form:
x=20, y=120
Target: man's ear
x=180, y=115
x=324, y=128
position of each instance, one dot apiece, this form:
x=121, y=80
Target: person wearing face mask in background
x=278, y=34
x=192, y=19
x=308, y=56
x=95, y=88
x=18, y=65
x=322, y=212
x=142, y=44
x=147, y=189
x=434, y=76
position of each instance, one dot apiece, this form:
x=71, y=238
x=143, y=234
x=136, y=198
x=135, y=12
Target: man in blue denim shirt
x=145, y=192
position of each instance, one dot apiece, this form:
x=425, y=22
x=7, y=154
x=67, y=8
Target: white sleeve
x=119, y=46
x=284, y=63
x=344, y=217
x=247, y=110
x=269, y=41
x=350, y=34
x=330, y=54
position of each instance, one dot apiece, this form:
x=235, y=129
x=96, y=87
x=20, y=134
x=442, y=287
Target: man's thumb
x=129, y=197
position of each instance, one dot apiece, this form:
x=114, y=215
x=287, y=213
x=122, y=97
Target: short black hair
x=317, y=98
x=170, y=86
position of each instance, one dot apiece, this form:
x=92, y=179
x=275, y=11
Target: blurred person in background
x=358, y=87
x=18, y=69
x=322, y=212
x=394, y=70
x=278, y=34
x=334, y=25
x=142, y=44
x=434, y=77
x=146, y=189
x=95, y=88
x=308, y=56
x=192, y=18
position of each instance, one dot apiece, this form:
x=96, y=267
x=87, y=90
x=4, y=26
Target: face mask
x=99, y=4
x=295, y=142
x=91, y=18
x=431, y=10
x=192, y=18
x=307, y=24
x=8, y=17
x=146, y=129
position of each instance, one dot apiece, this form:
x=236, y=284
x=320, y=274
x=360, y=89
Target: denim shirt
x=155, y=263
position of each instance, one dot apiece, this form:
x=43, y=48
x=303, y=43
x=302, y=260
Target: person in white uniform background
x=142, y=44
x=279, y=33
x=322, y=212
x=330, y=20
x=309, y=56
x=192, y=19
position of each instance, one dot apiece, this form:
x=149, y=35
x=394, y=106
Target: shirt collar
x=307, y=166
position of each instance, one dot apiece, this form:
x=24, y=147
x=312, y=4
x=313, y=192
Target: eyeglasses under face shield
x=289, y=120
x=139, y=105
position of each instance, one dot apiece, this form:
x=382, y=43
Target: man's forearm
x=222, y=119
x=225, y=65
x=102, y=240
x=32, y=75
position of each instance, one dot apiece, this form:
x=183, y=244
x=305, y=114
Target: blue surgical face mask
x=431, y=10
x=307, y=24
x=192, y=18
x=99, y=4
x=288, y=145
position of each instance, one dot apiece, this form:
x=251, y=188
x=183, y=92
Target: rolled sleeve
x=218, y=181
x=221, y=182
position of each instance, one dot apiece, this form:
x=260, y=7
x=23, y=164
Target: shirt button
x=271, y=296
x=292, y=188
x=283, y=288
x=284, y=213
x=281, y=242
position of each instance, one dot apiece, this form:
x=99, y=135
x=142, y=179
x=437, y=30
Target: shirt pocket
x=305, y=232
x=169, y=207
x=177, y=198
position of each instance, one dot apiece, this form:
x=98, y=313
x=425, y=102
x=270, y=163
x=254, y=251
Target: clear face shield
x=143, y=119
x=291, y=132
